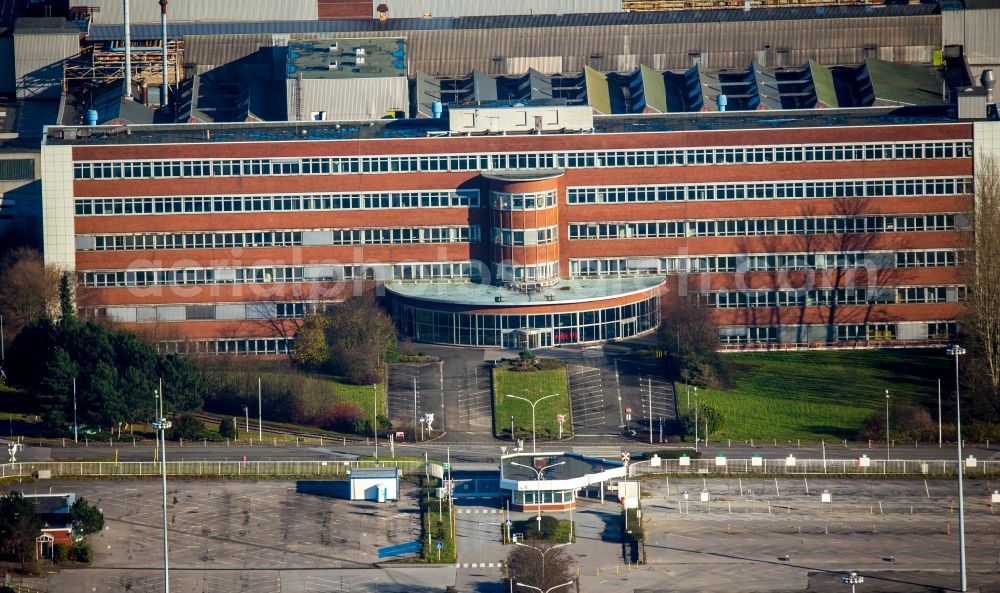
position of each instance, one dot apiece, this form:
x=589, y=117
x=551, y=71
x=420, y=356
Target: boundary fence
x=202, y=469
x=862, y=466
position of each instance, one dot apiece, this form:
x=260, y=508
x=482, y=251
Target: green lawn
x=819, y=395
x=531, y=385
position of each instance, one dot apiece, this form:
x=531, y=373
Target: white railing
x=793, y=466
x=227, y=469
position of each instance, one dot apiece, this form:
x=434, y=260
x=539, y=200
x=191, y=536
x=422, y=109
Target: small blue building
x=375, y=483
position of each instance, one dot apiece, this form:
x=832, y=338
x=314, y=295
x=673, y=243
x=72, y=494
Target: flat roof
x=574, y=465
x=421, y=128
x=374, y=472
x=576, y=290
x=376, y=57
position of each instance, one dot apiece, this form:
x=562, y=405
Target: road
x=469, y=451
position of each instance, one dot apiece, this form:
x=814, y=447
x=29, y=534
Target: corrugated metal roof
x=148, y=11
x=976, y=31
x=450, y=8
x=216, y=50
x=456, y=52
x=100, y=32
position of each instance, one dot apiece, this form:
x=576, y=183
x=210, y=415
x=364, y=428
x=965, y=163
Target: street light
x=375, y=418
x=161, y=426
x=533, y=404
x=957, y=351
x=538, y=486
x=542, y=553
x=547, y=590
x=886, y=430
x=695, y=417
x=853, y=580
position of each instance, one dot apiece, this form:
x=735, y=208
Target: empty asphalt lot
x=235, y=536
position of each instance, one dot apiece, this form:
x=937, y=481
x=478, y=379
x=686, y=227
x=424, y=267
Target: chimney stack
x=128, y=53
x=989, y=80
x=163, y=26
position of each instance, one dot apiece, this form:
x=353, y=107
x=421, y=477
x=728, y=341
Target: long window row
x=278, y=274
x=376, y=236
x=507, y=272
x=440, y=198
x=202, y=312
x=820, y=225
x=831, y=296
x=768, y=262
x=520, y=160
x=518, y=237
x=230, y=346
x=522, y=201
x=854, y=188
x=528, y=331
x=765, y=334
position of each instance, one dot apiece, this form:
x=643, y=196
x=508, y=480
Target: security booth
x=550, y=481
x=377, y=484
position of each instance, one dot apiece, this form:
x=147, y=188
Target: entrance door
x=530, y=339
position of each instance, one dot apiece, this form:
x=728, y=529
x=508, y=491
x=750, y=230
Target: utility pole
x=649, y=388
x=695, y=417
x=260, y=414
x=415, y=405
x=940, y=430
x=76, y=434
x=375, y=418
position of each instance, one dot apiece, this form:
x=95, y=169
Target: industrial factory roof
x=176, y=30
x=419, y=128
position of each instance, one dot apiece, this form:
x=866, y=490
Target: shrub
x=907, y=422
x=227, y=428
x=548, y=529
x=706, y=413
x=343, y=417
x=81, y=552
x=187, y=427
x=60, y=554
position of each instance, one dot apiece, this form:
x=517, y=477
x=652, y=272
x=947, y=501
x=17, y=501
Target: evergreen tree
x=67, y=309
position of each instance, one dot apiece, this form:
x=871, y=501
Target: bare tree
x=983, y=272
x=28, y=289
x=540, y=565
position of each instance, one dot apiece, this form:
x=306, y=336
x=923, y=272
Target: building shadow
x=326, y=488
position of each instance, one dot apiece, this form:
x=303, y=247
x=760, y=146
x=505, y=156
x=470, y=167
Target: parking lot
x=236, y=536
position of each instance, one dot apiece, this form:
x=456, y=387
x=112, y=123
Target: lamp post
x=887, y=430
x=695, y=417
x=76, y=432
x=375, y=418
x=161, y=425
x=533, y=404
x=853, y=579
x=538, y=486
x=260, y=414
x=957, y=351
x=542, y=553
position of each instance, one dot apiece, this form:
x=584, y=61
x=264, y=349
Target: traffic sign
x=628, y=414
x=446, y=465
x=626, y=456
x=439, y=545
x=561, y=418
x=509, y=522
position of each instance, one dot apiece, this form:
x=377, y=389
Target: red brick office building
x=522, y=226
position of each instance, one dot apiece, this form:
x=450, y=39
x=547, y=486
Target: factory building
x=524, y=226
